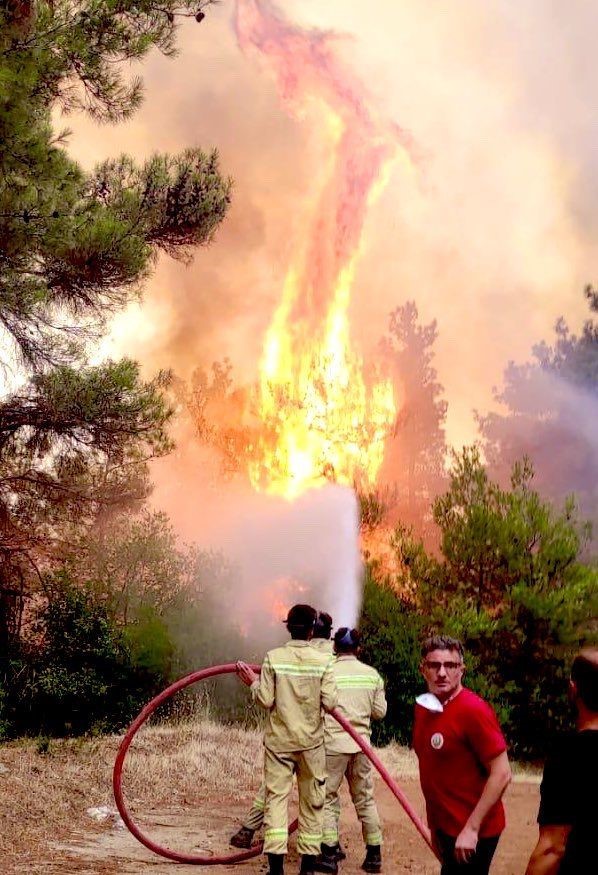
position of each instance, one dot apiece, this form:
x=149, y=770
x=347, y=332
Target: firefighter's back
x=360, y=698
x=295, y=722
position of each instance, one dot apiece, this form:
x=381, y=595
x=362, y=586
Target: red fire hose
x=195, y=859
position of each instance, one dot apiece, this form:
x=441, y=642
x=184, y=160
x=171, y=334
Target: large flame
x=322, y=419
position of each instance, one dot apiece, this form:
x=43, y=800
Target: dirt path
x=107, y=850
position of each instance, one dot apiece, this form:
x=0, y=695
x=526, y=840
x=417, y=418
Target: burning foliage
x=323, y=419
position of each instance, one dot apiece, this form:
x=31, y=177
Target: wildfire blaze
x=322, y=419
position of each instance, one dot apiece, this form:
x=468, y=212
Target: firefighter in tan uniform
x=295, y=684
x=243, y=838
x=360, y=698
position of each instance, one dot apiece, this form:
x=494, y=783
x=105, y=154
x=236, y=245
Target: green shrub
x=509, y=585
x=391, y=630
x=79, y=672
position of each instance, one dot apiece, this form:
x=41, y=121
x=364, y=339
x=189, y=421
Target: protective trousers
x=358, y=770
x=279, y=767
x=255, y=817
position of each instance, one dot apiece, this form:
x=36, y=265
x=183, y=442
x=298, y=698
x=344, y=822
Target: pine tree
x=74, y=247
x=416, y=449
x=510, y=583
x=549, y=411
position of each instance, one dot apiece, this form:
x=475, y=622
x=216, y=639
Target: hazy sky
x=492, y=233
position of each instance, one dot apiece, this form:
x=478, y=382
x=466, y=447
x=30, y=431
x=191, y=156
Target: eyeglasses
x=449, y=666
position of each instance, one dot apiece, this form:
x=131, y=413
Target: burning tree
x=416, y=448
x=74, y=246
x=317, y=413
x=322, y=418
x=219, y=413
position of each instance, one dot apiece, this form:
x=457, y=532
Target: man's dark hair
x=323, y=626
x=300, y=621
x=584, y=674
x=441, y=642
x=346, y=640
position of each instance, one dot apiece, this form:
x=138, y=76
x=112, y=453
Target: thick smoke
x=492, y=235
x=281, y=552
x=553, y=423
x=304, y=551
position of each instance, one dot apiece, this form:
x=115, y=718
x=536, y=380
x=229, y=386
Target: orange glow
x=323, y=420
x=277, y=597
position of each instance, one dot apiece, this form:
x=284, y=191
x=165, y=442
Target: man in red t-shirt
x=463, y=764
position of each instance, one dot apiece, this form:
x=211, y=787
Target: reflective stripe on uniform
x=296, y=681
x=357, y=682
x=361, y=698
x=299, y=669
x=279, y=768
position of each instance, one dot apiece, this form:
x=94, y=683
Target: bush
x=391, y=630
x=78, y=673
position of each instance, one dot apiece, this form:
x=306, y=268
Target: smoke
x=553, y=422
x=493, y=235
x=307, y=68
x=304, y=551
x=281, y=553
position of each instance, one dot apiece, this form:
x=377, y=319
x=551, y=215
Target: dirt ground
x=113, y=850
x=188, y=787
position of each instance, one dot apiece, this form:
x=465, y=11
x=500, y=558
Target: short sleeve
x=557, y=791
x=483, y=732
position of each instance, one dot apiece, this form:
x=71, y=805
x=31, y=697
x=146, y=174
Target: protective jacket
x=324, y=645
x=360, y=698
x=295, y=683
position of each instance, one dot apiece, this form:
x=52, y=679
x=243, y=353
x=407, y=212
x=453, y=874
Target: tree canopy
x=74, y=247
x=509, y=582
x=416, y=449
x=549, y=409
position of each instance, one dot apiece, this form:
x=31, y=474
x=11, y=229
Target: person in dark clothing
x=568, y=810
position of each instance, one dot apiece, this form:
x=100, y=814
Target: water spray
x=239, y=857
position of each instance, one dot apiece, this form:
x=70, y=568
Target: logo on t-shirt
x=437, y=740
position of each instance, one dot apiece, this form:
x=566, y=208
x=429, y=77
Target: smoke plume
x=493, y=233
x=282, y=553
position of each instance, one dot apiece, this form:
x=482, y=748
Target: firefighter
x=321, y=639
x=243, y=838
x=360, y=698
x=295, y=684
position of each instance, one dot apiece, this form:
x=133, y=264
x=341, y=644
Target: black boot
x=276, y=864
x=309, y=865
x=334, y=851
x=373, y=859
x=243, y=838
x=326, y=861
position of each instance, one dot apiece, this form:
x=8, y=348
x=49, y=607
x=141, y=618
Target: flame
x=322, y=419
x=272, y=600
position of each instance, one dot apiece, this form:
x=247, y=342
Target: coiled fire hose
x=239, y=857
